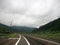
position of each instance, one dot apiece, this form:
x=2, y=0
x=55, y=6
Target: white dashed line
x=26, y=40
x=18, y=40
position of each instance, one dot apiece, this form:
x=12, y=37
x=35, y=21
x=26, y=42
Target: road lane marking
x=18, y=40
x=14, y=38
x=26, y=40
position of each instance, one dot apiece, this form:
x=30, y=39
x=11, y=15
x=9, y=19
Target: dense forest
x=50, y=27
x=21, y=29
x=10, y=29
x=4, y=28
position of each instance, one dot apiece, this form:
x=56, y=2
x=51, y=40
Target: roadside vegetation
x=11, y=35
x=50, y=31
x=47, y=35
x=5, y=32
x=53, y=36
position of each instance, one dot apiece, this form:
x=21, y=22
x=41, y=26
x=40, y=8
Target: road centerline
x=18, y=40
x=26, y=40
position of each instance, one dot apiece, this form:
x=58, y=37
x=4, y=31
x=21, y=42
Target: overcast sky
x=32, y=13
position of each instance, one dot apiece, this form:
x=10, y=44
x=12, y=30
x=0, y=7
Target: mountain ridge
x=51, y=26
x=22, y=28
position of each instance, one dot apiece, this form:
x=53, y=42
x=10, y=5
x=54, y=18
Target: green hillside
x=52, y=26
x=6, y=31
x=4, y=28
x=50, y=31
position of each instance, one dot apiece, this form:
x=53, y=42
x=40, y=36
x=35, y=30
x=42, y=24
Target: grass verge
x=6, y=35
x=47, y=35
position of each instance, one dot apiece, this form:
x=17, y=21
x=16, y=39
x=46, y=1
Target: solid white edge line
x=18, y=40
x=26, y=40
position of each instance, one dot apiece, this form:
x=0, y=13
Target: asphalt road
x=8, y=41
x=25, y=40
x=33, y=41
x=22, y=40
x=28, y=41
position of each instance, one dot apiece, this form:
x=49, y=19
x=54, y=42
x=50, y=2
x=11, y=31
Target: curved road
x=28, y=41
x=22, y=40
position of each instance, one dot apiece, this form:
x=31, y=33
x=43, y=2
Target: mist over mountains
x=22, y=29
x=52, y=26
x=4, y=28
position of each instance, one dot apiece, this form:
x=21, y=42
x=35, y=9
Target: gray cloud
x=13, y=6
x=32, y=13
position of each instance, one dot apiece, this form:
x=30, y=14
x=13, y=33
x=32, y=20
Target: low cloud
x=32, y=13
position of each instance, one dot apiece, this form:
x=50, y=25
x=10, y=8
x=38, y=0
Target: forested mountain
x=4, y=28
x=22, y=29
x=52, y=26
